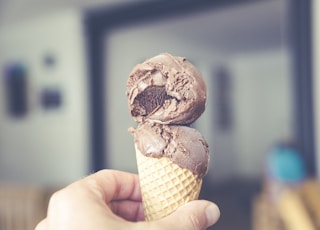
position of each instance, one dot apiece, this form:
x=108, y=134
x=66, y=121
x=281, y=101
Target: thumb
x=195, y=215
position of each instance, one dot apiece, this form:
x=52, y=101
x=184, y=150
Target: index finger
x=113, y=185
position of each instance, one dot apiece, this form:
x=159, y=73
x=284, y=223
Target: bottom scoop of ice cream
x=183, y=145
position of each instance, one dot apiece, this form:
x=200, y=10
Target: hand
x=111, y=199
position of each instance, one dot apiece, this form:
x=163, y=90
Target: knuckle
x=195, y=222
x=59, y=199
x=55, y=198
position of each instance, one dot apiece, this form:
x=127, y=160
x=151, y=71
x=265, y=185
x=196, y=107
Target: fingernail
x=212, y=214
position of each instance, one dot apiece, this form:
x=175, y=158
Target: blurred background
x=63, y=110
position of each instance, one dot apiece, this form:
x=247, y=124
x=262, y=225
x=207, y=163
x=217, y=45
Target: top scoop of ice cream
x=167, y=90
x=183, y=145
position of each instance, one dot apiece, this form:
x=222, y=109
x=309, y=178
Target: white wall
x=46, y=147
x=263, y=106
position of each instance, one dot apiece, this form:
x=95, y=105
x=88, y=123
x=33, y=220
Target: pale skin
x=111, y=199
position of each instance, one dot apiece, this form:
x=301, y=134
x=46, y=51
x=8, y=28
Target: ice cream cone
x=166, y=94
x=165, y=186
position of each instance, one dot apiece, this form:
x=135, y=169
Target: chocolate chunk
x=149, y=100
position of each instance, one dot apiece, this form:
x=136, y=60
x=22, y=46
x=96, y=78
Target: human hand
x=111, y=199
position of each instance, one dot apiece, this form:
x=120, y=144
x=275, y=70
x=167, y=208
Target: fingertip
x=199, y=214
x=212, y=214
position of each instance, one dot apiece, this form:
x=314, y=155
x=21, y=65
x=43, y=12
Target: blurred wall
x=52, y=145
x=263, y=107
x=49, y=143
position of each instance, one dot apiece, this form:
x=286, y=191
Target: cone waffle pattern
x=165, y=186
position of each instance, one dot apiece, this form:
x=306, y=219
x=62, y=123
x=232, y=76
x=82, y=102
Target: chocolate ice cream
x=167, y=90
x=183, y=145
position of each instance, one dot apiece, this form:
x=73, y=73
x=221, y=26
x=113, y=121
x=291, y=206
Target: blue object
x=286, y=165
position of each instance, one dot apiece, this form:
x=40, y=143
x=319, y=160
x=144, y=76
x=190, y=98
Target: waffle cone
x=164, y=186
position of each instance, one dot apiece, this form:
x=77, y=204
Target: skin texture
x=111, y=199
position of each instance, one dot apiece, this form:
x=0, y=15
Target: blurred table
x=296, y=208
x=22, y=207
